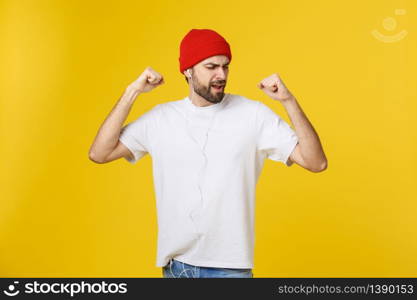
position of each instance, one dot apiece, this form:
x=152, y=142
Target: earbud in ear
x=189, y=73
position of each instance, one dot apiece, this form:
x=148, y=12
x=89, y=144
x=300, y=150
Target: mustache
x=223, y=82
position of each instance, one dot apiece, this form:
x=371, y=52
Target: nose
x=221, y=74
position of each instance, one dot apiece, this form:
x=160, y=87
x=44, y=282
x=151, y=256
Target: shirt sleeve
x=136, y=135
x=275, y=136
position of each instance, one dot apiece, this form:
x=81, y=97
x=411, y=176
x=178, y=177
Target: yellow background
x=64, y=64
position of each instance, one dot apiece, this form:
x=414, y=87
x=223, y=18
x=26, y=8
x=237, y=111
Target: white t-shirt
x=206, y=162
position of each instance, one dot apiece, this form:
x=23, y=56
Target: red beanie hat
x=199, y=44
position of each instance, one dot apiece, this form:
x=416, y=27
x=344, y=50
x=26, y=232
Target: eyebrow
x=210, y=63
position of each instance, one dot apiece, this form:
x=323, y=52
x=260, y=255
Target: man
x=207, y=151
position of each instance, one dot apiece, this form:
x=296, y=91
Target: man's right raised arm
x=106, y=146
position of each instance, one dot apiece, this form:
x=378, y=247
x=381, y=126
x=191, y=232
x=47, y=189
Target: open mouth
x=217, y=88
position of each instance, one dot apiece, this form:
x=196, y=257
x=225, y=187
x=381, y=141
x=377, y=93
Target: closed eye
x=211, y=67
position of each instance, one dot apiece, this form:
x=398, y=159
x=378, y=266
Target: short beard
x=205, y=92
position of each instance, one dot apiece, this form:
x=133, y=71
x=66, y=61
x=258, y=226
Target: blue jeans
x=177, y=269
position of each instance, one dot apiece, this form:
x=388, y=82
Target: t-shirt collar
x=212, y=107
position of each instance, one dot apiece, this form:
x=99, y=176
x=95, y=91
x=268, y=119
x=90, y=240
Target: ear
x=189, y=73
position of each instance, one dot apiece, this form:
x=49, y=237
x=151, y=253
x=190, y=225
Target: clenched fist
x=275, y=88
x=147, y=81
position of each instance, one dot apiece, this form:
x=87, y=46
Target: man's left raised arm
x=309, y=151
